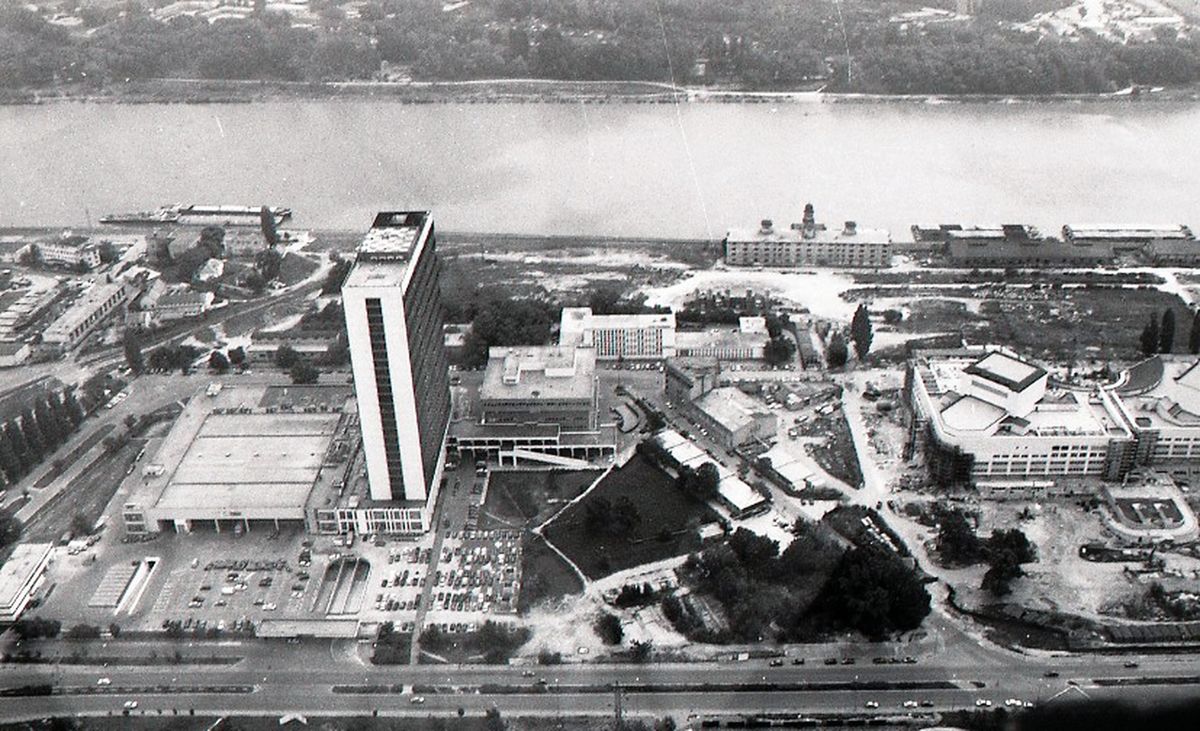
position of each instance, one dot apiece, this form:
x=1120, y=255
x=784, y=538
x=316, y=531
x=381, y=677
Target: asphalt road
x=307, y=685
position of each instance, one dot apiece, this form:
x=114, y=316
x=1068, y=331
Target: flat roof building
x=733, y=418
x=540, y=385
x=723, y=343
x=19, y=577
x=808, y=244
x=245, y=455
x=619, y=337
x=401, y=375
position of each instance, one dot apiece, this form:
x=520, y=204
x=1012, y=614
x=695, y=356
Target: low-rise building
x=808, y=244
x=309, y=344
x=88, y=310
x=733, y=418
x=725, y=343
x=19, y=577
x=619, y=337
x=13, y=353
x=540, y=385
x=182, y=305
x=1124, y=238
x=739, y=498
x=76, y=252
x=688, y=379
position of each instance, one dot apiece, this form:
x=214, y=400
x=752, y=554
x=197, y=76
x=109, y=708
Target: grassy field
x=668, y=519
x=544, y=575
x=294, y=268
x=528, y=498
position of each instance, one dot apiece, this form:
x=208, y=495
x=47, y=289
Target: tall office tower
x=394, y=320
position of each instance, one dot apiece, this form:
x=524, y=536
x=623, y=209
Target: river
x=610, y=169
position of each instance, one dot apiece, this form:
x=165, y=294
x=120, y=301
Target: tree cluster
x=608, y=627
x=500, y=320
x=742, y=42
x=1004, y=551
x=702, y=482
x=167, y=358
x=608, y=517
x=861, y=332
x=1158, y=336
x=28, y=438
x=792, y=591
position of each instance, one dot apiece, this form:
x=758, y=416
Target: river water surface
x=612, y=169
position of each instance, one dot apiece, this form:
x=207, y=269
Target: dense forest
x=853, y=45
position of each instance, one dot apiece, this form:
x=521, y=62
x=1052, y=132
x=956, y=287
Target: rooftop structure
x=540, y=385
x=1126, y=233
x=393, y=319
x=633, y=337
x=19, y=576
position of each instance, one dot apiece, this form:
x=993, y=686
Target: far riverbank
x=509, y=91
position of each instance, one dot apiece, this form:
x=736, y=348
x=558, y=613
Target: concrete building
x=311, y=345
x=1159, y=401
x=540, y=385
x=688, y=379
x=990, y=416
x=88, y=310
x=13, y=353
x=19, y=577
x=69, y=251
x=725, y=343
x=808, y=244
x=741, y=500
x=393, y=317
x=246, y=457
x=544, y=444
x=733, y=418
x=182, y=305
x=619, y=337
x=1124, y=238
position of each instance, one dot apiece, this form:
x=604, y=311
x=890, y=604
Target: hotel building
x=394, y=322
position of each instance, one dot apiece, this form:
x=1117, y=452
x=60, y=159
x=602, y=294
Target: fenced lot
x=665, y=521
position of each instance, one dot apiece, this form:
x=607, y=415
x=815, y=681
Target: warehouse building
x=733, y=418
x=241, y=458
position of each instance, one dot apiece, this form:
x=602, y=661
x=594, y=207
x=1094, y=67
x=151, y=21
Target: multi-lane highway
x=274, y=683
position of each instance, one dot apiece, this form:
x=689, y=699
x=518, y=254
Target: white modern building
x=401, y=379
x=619, y=337
x=19, y=577
x=988, y=415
